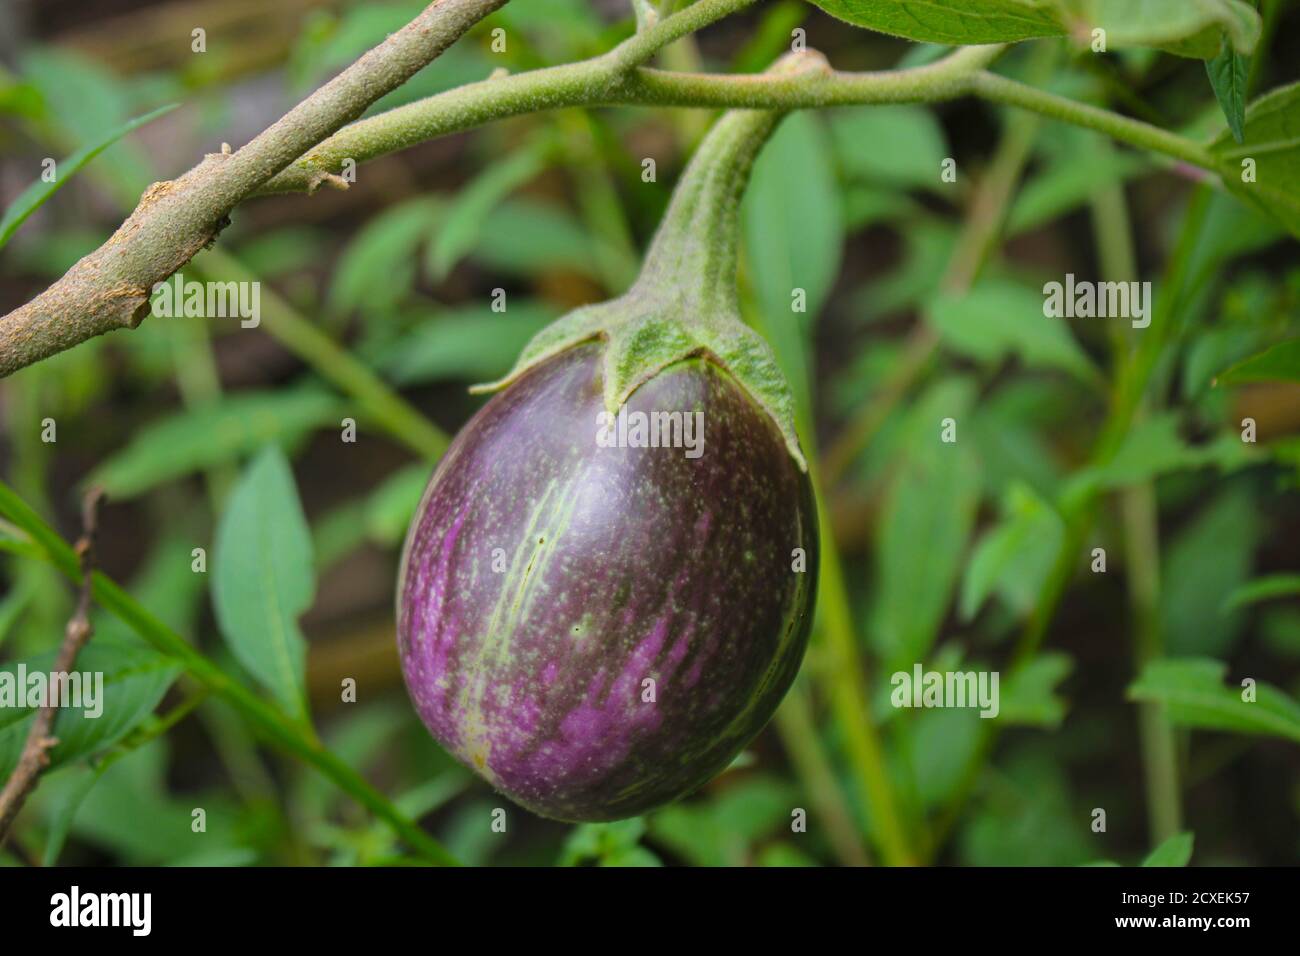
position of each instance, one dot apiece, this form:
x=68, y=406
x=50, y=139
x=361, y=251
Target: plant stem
x=852, y=705
x=604, y=82
x=391, y=412
x=1159, y=754
x=607, y=81
x=979, y=235
x=644, y=44
x=110, y=288
x=1079, y=515
x=794, y=722
x=999, y=89
x=1113, y=233
x=280, y=729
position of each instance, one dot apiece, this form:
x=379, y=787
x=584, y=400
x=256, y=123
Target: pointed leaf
x=263, y=578
x=134, y=679
x=1176, y=851
x=1194, y=694
x=35, y=195
x=1281, y=363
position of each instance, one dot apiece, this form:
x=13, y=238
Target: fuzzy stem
x=693, y=255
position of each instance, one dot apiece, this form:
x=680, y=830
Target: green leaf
x=941, y=742
x=950, y=21
x=783, y=854
x=1228, y=74
x=720, y=832
x=889, y=145
x=263, y=578
x=1206, y=561
x=1014, y=558
x=1263, y=589
x=1031, y=819
x=64, y=810
x=793, y=235
x=464, y=220
x=927, y=516
x=472, y=344
x=135, y=789
x=378, y=267
x=1194, y=29
x=1179, y=26
x=35, y=195
x=1154, y=447
x=1069, y=182
x=1281, y=363
x=1176, y=851
x=1272, y=146
x=390, y=507
x=1194, y=694
x=84, y=99
x=1029, y=696
x=998, y=318
x=134, y=681
x=608, y=844
x=525, y=236
x=14, y=603
x=189, y=441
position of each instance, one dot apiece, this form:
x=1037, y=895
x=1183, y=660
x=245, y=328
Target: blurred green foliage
x=208, y=435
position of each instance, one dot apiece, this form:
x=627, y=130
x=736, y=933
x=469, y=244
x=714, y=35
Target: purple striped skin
x=620, y=564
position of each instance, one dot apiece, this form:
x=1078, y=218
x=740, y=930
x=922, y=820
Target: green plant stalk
x=851, y=702
x=1140, y=521
x=794, y=722
x=160, y=726
x=1159, y=753
x=1079, y=514
x=199, y=384
x=979, y=235
x=281, y=730
x=999, y=89
x=332, y=361
x=616, y=79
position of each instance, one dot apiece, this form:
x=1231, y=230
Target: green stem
x=614, y=79
x=1113, y=234
x=999, y=89
x=1080, y=513
x=199, y=384
x=332, y=361
x=979, y=235
x=794, y=722
x=159, y=727
x=693, y=255
x=1159, y=753
x=280, y=729
x=646, y=43
x=852, y=704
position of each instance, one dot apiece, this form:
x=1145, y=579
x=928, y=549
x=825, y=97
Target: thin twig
x=36, y=751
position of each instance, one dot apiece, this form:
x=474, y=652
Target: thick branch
x=110, y=288
x=35, y=756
